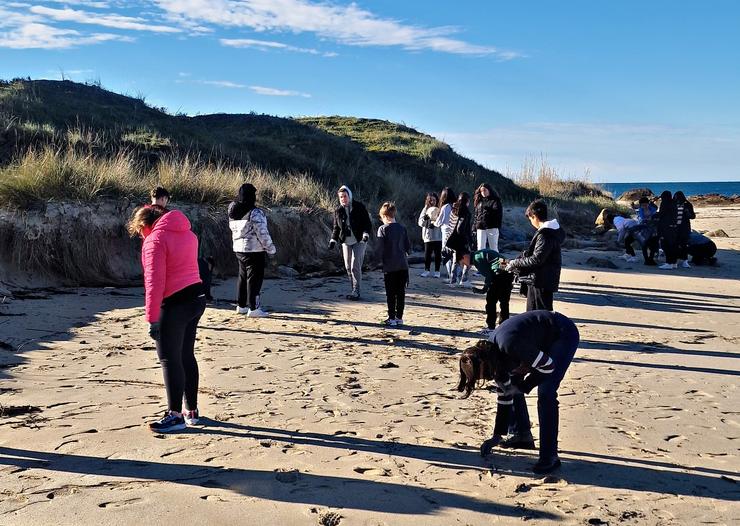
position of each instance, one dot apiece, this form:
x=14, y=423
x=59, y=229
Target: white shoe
x=465, y=284
x=631, y=259
x=257, y=313
x=452, y=284
x=437, y=275
x=685, y=264
x=624, y=257
x=666, y=266
x=424, y=274
x=242, y=310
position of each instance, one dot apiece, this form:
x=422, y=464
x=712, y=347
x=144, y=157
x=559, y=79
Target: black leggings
x=395, y=292
x=648, y=250
x=176, y=351
x=432, y=247
x=251, y=275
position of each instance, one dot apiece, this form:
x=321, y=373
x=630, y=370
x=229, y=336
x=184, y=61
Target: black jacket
x=359, y=222
x=488, y=213
x=543, y=259
x=684, y=229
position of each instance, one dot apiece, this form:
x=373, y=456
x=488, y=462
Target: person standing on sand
x=543, y=258
x=497, y=286
x=667, y=230
x=352, y=227
x=175, y=301
x=431, y=234
x=252, y=243
x=684, y=215
x=160, y=197
x=488, y=216
x=530, y=350
x=447, y=198
x=460, y=240
x=393, y=248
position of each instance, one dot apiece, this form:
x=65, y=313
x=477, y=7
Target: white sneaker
x=666, y=266
x=242, y=310
x=424, y=274
x=437, y=275
x=191, y=417
x=631, y=259
x=685, y=264
x=257, y=313
x=465, y=284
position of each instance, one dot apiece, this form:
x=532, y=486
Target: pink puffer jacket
x=169, y=256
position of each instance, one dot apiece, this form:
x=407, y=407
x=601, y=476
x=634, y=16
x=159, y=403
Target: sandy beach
x=319, y=415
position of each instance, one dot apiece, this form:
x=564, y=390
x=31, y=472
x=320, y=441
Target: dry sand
x=318, y=415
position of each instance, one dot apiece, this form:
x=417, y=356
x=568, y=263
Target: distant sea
x=728, y=188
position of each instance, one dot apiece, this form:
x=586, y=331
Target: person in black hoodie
x=667, y=230
x=684, y=215
x=542, y=260
x=530, y=350
x=488, y=216
x=352, y=227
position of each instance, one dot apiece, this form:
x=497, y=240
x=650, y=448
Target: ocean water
x=728, y=188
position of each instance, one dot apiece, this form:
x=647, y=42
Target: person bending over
x=529, y=350
x=497, y=286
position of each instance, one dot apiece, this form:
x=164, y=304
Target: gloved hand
x=488, y=445
x=332, y=244
x=154, y=330
x=365, y=237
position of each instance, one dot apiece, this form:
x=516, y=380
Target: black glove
x=488, y=445
x=332, y=244
x=154, y=330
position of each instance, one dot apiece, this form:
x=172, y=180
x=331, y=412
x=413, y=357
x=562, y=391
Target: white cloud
x=349, y=24
x=100, y=19
x=42, y=36
x=85, y=3
x=264, y=45
x=274, y=92
x=610, y=152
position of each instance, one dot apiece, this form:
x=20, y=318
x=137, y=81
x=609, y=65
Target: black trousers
x=648, y=250
x=538, y=299
x=395, y=292
x=432, y=247
x=669, y=243
x=682, y=245
x=251, y=276
x=498, y=292
x=176, y=351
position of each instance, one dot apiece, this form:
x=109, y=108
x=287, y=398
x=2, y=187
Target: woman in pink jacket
x=175, y=301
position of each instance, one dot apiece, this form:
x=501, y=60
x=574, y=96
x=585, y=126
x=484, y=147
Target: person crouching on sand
x=393, y=248
x=529, y=350
x=175, y=301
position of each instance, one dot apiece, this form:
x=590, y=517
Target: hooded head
x=344, y=189
x=679, y=197
x=245, y=201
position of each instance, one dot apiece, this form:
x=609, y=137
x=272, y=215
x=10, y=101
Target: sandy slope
x=319, y=409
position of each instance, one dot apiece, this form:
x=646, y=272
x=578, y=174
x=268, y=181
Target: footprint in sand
x=118, y=503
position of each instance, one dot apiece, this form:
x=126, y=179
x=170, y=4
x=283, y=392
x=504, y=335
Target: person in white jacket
x=252, y=243
x=447, y=198
x=431, y=234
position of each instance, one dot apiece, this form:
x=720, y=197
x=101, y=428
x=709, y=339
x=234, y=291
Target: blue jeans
x=561, y=352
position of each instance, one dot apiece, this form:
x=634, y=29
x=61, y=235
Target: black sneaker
x=546, y=466
x=169, y=423
x=517, y=442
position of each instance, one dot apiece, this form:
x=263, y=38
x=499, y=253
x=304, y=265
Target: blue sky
x=620, y=90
